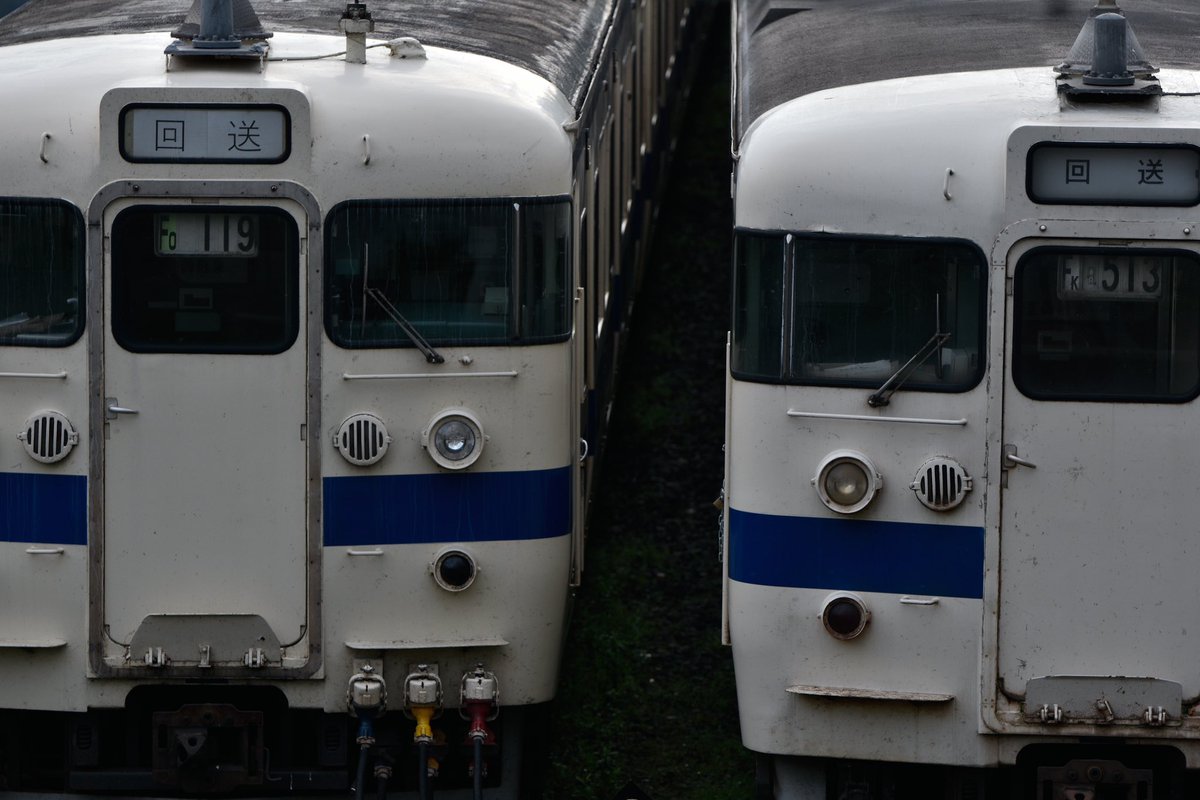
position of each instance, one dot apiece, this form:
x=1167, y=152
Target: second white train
x=960, y=491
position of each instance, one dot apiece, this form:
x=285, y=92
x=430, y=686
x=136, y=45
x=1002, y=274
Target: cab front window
x=41, y=272
x=449, y=271
x=852, y=311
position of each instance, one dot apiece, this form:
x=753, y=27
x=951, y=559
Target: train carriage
x=309, y=317
x=959, y=491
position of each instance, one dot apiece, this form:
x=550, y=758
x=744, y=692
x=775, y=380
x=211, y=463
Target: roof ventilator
x=227, y=29
x=1107, y=62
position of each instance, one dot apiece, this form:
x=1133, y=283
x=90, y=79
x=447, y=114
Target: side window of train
x=758, y=306
x=205, y=280
x=449, y=269
x=41, y=272
x=844, y=311
x=1092, y=324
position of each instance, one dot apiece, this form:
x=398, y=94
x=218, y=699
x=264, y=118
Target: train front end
x=959, y=485
x=291, y=444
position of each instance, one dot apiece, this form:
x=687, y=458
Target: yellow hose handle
x=424, y=716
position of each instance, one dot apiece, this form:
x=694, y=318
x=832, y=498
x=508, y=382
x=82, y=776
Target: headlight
x=847, y=481
x=454, y=570
x=454, y=439
x=845, y=616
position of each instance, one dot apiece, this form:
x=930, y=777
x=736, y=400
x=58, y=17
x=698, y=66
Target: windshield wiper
x=883, y=394
x=432, y=356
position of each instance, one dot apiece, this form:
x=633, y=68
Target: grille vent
x=48, y=437
x=362, y=439
x=941, y=484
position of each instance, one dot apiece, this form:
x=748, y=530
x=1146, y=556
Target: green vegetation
x=647, y=692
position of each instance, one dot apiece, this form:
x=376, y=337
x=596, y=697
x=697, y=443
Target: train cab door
x=205, y=449
x=1097, y=545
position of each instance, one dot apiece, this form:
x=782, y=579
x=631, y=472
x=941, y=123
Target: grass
x=647, y=690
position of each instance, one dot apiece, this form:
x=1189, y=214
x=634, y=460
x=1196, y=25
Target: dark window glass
x=1107, y=325
x=864, y=307
x=194, y=279
x=454, y=269
x=41, y=272
x=851, y=312
x=758, y=306
x=545, y=271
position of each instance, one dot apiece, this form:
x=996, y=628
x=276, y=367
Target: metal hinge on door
x=1051, y=714
x=1155, y=716
x=156, y=658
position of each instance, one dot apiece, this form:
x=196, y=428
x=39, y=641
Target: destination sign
x=1094, y=174
x=205, y=134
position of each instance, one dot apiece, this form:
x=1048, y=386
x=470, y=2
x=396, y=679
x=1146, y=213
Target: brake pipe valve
x=423, y=701
x=480, y=702
x=366, y=696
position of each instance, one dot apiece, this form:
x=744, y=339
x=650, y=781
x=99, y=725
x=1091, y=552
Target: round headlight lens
x=847, y=481
x=454, y=439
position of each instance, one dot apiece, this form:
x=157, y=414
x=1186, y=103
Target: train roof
x=789, y=48
x=558, y=40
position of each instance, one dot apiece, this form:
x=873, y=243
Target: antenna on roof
x=356, y=23
x=220, y=29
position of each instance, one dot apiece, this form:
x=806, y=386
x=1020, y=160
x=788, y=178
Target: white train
x=960, y=497
x=308, y=319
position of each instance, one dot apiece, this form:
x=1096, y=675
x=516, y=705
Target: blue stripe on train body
x=855, y=554
x=43, y=509
x=447, y=507
x=52, y=509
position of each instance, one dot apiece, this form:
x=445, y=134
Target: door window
x=221, y=279
x=1107, y=325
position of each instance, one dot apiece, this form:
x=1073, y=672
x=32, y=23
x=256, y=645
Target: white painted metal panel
x=205, y=502
x=1095, y=541
x=41, y=554
x=923, y=648
x=512, y=618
